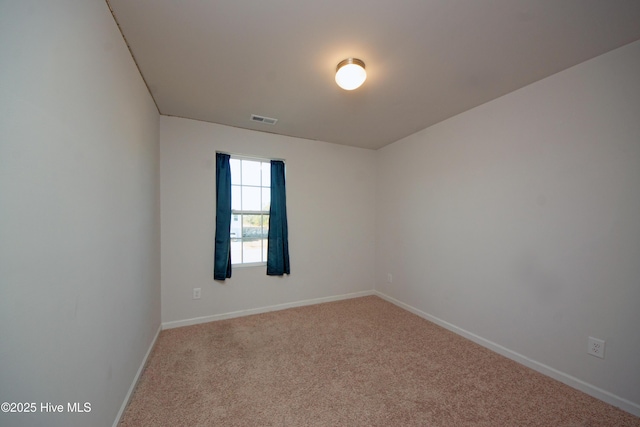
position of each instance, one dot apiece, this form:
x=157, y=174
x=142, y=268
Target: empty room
x=330, y=213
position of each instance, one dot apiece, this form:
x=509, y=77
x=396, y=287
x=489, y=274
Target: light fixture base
x=347, y=61
x=350, y=73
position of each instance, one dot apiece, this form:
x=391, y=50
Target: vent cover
x=262, y=119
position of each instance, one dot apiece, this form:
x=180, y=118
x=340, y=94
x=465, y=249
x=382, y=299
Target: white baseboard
x=248, y=312
x=598, y=393
x=136, y=378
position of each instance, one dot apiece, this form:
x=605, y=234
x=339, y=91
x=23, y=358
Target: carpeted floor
x=358, y=362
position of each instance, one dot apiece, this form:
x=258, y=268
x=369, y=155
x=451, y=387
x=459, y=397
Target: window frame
x=242, y=212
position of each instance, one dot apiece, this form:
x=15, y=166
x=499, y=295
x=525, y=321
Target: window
x=250, y=202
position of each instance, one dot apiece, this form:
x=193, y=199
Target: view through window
x=250, y=202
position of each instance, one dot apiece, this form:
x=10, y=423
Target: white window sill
x=249, y=264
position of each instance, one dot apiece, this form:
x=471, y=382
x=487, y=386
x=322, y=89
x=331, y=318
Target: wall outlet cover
x=595, y=347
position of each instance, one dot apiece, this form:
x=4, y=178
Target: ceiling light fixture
x=350, y=74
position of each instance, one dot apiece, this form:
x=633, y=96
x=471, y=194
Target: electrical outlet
x=196, y=293
x=595, y=347
x=390, y=278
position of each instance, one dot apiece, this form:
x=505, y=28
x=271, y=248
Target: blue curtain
x=222, y=253
x=278, y=252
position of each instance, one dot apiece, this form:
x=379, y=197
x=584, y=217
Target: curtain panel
x=222, y=250
x=278, y=251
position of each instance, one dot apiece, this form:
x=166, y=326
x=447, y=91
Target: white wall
x=519, y=221
x=330, y=208
x=79, y=212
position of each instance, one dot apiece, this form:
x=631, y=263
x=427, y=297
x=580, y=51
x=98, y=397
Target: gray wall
x=519, y=222
x=79, y=212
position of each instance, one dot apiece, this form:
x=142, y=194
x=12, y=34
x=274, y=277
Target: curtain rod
x=249, y=157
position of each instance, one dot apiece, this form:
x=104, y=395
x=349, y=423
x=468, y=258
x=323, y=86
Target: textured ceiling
x=427, y=60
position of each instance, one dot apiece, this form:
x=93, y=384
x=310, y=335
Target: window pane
x=265, y=225
x=236, y=199
x=251, y=198
x=236, y=226
x=250, y=172
x=235, y=171
x=266, y=199
x=251, y=226
x=265, y=246
x=266, y=174
x=252, y=250
x=236, y=251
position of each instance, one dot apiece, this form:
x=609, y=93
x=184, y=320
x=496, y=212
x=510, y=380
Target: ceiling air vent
x=262, y=119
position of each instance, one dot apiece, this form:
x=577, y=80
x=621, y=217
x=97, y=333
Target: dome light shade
x=350, y=74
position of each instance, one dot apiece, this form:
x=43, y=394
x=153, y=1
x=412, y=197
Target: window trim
x=248, y=212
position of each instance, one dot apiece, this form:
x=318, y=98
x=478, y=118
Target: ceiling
x=427, y=60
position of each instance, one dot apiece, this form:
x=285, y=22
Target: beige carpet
x=359, y=362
